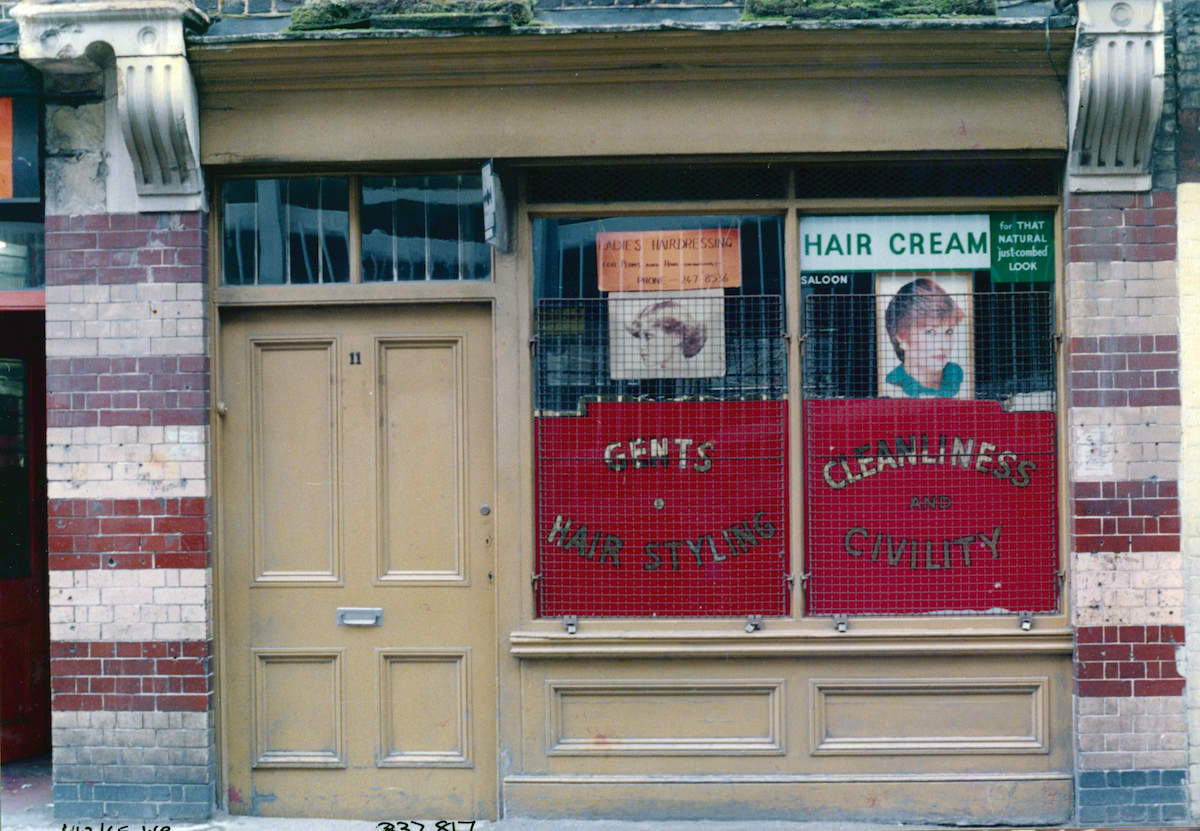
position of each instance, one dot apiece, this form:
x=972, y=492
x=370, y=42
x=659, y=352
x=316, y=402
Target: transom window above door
x=349, y=229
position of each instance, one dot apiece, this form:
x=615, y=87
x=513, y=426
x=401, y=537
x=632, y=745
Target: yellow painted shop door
x=356, y=562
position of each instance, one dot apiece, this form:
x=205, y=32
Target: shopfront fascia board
x=620, y=94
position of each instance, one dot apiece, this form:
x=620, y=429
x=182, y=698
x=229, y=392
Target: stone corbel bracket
x=1116, y=94
x=156, y=106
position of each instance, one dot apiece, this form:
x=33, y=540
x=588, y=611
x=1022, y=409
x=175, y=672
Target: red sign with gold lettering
x=929, y=506
x=663, y=508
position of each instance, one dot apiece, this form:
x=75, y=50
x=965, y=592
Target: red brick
x=1087, y=490
x=184, y=703
x=1160, y=686
x=101, y=685
x=1132, y=634
x=1154, y=398
x=127, y=685
x=1090, y=670
x=181, y=559
x=1166, y=343
x=193, y=684
x=1154, y=507
x=126, y=525
x=1154, y=360
x=195, y=649
x=1111, y=634
x=1105, y=543
x=65, y=649
x=1104, y=689
x=129, y=666
x=1154, y=652
x=181, y=525
x=192, y=506
x=61, y=703
x=1172, y=634
x=100, y=649
x=1089, y=634
x=1103, y=652
x=74, y=666
x=1101, y=507
x=1154, y=542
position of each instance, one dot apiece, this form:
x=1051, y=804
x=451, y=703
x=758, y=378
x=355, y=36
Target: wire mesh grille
x=614, y=349
x=930, y=452
x=661, y=495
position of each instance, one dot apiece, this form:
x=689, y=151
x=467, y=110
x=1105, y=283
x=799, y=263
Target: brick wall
x=1124, y=394
x=129, y=538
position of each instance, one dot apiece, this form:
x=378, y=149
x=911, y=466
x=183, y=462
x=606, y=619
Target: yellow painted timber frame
x=384, y=103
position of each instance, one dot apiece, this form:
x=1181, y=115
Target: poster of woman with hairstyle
x=924, y=338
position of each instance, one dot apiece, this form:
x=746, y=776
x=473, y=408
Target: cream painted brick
x=180, y=631
x=1089, y=706
x=127, y=614
x=170, y=328
x=193, y=576
x=136, y=453
x=193, y=470
x=154, y=614
x=62, y=614
x=74, y=597
x=1159, y=760
x=62, y=579
x=100, y=295
x=190, y=291
x=156, y=292
x=58, y=329
x=178, y=346
x=189, y=308
x=71, y=453
x=179, y=596
x=99, y=614
x=127, y=596
x=151, y=577
x=124, y=311
x=98, y=329
x=192, y=327
x=132, y=631
x=127, y=346
x=71, y=311
x=1104, y=761
x=74, y=631
x=151, y=435
x=72, y=348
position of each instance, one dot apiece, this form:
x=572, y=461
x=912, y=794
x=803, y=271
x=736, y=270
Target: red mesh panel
x=663, y=508
x=929, y=506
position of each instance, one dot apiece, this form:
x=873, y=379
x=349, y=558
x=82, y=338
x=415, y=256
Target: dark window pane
x=22, y=255
x=14, y=471
x=424, y=228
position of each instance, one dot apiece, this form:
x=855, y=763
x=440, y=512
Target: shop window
x=929, y=426
x=297, y=230
x=22, y=255
x=661, y=416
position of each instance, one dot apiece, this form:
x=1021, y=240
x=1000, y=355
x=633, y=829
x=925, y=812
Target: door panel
x=356, y=452
x=24, y=599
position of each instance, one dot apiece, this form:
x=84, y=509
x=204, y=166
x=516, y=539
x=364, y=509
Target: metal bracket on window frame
x=570, y=623
x=841, y=623
x=754, y=623
x=1056, y=338
x=1025, y=621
